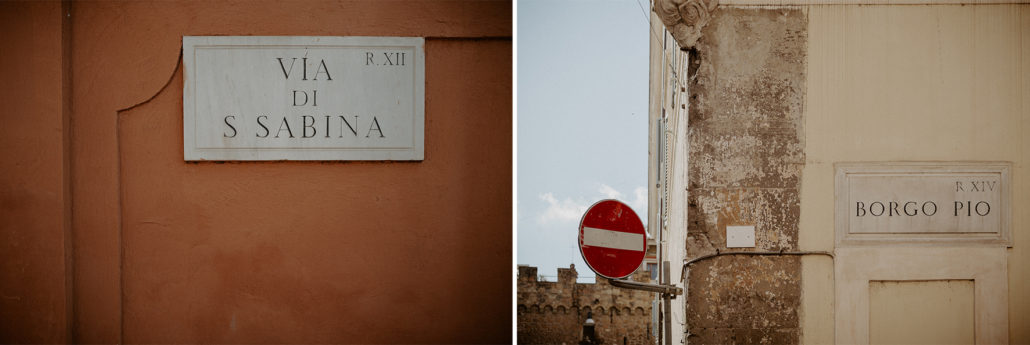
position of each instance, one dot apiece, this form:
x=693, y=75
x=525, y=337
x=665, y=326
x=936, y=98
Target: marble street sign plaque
x=923, y=202
x=303, y=98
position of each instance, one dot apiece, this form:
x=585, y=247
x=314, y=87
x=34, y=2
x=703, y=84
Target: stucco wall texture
x=163, y=251
x=33, y=193
x=746, y=155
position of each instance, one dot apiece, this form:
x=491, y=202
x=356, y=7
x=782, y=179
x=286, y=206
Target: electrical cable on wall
x=687, y=263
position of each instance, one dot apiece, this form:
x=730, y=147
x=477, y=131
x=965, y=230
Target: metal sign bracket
x=671, y=290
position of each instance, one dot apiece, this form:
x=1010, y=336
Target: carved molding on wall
x=685, y=18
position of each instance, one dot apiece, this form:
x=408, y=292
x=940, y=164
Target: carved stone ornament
x=685, y=18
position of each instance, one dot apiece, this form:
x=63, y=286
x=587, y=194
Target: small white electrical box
x=740, y=236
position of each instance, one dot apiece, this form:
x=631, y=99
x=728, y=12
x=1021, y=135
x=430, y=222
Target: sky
x=582, y=121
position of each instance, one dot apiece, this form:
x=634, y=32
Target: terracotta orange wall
x=239, y=252
x=33, y=303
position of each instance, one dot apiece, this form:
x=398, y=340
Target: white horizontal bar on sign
x=612, y=239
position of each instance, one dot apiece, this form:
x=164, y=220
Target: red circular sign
x=612, y=239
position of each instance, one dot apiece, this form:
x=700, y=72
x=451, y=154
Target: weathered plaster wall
x=34, y=306
x=554, y=312
x=746, y=157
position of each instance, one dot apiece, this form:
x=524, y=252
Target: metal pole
x=629, y=284
x=667, y=309
x=668, y=292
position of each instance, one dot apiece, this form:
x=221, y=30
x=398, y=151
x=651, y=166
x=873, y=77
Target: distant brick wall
x=554, y=312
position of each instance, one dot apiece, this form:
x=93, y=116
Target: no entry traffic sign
x=611, y=239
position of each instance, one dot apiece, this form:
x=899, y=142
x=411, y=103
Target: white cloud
x=567, y=210
x=609, y=192
x=640, y=199
x=570, y=210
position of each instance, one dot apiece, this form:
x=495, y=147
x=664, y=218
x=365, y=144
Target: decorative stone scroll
x=685, y=18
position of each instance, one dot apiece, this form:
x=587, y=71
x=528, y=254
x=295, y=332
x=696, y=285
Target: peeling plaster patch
x=744, y=293
x=773, y=211
x=725, y=156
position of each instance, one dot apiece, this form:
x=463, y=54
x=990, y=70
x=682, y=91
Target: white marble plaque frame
x=910, y=181
x=237, y=89
x=987, y=267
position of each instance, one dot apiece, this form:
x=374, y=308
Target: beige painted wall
x=921, y=312
x=923, y=83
